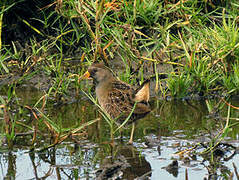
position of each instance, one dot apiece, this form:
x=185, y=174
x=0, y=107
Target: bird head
x=98, y=72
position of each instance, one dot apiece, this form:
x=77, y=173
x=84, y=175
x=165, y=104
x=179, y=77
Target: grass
x=199, y=40
x=20, y=119
x=194, y=43
x=112, y=123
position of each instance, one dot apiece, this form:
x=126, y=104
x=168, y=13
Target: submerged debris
x=114, y=170
x=172, y=168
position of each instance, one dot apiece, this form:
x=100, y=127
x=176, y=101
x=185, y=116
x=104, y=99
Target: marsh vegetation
x=189, y=49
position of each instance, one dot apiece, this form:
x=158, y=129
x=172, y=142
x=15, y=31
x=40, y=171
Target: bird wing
x=121, y=102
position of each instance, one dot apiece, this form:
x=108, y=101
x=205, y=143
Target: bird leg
x=132, y=133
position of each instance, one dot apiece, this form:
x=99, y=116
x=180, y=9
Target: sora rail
x=118, y=98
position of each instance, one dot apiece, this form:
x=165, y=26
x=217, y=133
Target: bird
x=119, y=98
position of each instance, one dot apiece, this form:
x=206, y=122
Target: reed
x=114, y=126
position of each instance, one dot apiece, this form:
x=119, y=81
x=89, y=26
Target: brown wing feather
x=120, y=102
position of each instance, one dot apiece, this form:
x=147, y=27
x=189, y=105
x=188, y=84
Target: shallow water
x=173, y=126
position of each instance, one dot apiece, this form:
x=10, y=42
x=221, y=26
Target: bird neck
x=102, y=88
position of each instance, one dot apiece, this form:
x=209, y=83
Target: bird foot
x=130, y=142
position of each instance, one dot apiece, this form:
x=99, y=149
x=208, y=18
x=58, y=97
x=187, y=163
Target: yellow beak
x=86, y=75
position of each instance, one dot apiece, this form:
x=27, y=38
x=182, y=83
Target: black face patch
x=93, y=72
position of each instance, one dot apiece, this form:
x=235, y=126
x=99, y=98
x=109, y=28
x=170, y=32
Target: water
x=171, y=127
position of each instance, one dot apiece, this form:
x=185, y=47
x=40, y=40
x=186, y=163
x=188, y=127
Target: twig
x=144, y=175
x=235, y=169
x=84, y=19
x=186, y=174
x=234, y=107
